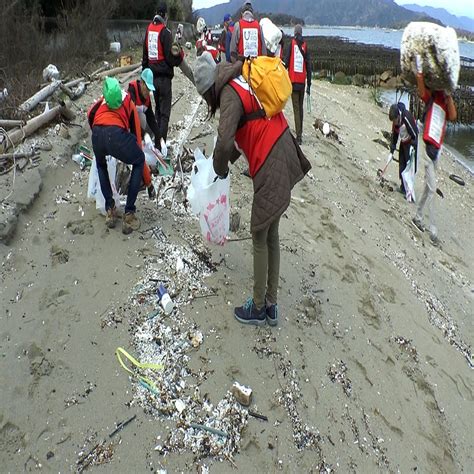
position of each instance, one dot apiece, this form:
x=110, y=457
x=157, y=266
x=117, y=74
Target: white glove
x=419, y=64
x=164, y=148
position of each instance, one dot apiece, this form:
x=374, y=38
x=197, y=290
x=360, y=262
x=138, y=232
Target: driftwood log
x=41, y=95
x=130, y=75
x=4, y=123
x=319, y=124
x=118, y=70
x=16, y=136
x=75, y=82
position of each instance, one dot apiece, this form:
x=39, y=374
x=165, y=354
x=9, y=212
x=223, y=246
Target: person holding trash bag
x=403, y=127
x=276, y=164
x=139, y=91
x=247, y=38
x=116, y=132
x=298, y=63
x=161, y=56
x=439, y=107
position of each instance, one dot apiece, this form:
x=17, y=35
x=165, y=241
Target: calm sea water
x=385, y=37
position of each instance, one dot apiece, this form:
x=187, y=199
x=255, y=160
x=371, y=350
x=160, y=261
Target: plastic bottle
x=165, y=299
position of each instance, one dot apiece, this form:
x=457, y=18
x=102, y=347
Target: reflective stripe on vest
x=249, y=40
x=153, y=43
x=435, y=121
x=255, y=139
x=139, y=104
x=297, y=66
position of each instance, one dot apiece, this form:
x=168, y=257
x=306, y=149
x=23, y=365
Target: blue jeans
x=122, y=145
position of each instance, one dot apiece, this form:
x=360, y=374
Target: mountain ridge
x=441, y=14
x=372, y=13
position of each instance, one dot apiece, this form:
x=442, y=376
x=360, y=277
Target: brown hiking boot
x=130, y=223
x=111, y=218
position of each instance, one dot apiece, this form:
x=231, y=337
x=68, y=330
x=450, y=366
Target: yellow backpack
x=269, y=80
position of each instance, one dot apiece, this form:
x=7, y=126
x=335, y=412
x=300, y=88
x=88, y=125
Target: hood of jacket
x=225, y=72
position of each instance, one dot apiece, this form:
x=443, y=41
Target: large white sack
x=271, y=34
x=439, y=49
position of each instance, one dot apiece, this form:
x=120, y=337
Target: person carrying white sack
x=439, y=108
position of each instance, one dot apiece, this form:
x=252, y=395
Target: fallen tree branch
x=4, y=123
x=118, y=70
x=41, y=95
x=130, y=75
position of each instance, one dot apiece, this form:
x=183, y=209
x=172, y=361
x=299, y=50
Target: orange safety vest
x=106, y=117
x=153, y=43
x=255, y=139
x=435, y=120
x=250, y=43
x=297, y=66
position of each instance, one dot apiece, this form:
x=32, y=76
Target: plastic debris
x=242, y=394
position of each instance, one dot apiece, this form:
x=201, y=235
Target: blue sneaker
x=272, y=314
x=249, y=314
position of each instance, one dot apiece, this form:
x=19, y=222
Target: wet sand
x=369, y=369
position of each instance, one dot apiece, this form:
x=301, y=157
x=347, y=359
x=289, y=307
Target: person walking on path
x=139, y=91
x=298, y=62
x=276, y=164
x=403, y=127
x=116, y=132
x=226, y=37
x=161, y=58
x=439, y=107
x=247, y=38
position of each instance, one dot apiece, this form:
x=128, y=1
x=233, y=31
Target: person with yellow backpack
x=276, y=164
x=298, y=62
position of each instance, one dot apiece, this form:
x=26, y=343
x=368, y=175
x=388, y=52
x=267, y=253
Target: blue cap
x=147, y=77
x=227, y=17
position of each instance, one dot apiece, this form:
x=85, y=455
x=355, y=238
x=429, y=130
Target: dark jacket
x=408, y=123
x=165, y=67
x=150, y=116
x=307, y=60
x=283, y=168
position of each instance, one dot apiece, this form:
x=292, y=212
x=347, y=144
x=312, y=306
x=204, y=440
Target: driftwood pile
x=14, y=131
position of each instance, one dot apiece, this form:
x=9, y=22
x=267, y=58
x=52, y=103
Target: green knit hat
x=112, y=93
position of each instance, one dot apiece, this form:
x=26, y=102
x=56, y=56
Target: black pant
x=163, y=95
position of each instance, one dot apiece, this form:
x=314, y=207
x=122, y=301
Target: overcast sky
x=457, y=7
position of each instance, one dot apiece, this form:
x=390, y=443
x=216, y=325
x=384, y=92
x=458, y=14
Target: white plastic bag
x=209, y=199
x=93, y=189
x=408, y=177
x=271, y=34
x=439, y=50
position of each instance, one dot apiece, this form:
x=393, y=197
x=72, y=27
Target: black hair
x=162, y=9
x=394, y=112
x=212, y=101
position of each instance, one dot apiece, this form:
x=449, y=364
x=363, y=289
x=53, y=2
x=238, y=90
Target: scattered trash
x=242, y=394
x=457, y=179
x=115, y=47
x=121, y=426
x=258, y=415
x=326, y=128
x=188, y=44
x=179, y=264
x=165, y=299
x=137, y=365
x=50, y=73
x=338, y=373
x=197, y=339
x=3, y=94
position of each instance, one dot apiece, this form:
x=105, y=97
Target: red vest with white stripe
x=255, y=139
x=250, y=43
x=435, y=121
x=153, y=43
x=297, y=66
x=139, y=104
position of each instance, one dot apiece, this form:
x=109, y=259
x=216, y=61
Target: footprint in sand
x=80, y=227
x=12, y=439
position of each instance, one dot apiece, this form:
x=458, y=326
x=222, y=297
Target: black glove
x=157, y=144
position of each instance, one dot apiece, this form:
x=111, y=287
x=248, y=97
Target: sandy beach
x=369, y=370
